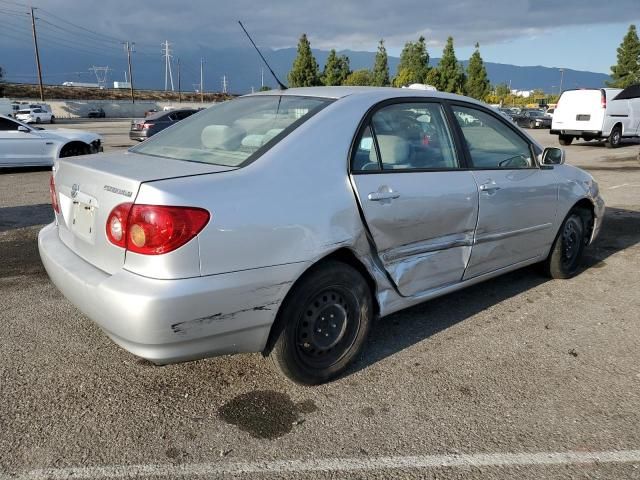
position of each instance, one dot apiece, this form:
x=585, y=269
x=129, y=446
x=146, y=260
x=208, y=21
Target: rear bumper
x=578, y=133
x=139, y=135
x=168, y=321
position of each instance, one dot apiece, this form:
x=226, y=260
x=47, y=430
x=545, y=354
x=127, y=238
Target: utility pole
x=224, y=84
x=166, y=53
x=128, y=48
x=201, y=80
x=179, y=89
x=35, y=44
x=561, y=79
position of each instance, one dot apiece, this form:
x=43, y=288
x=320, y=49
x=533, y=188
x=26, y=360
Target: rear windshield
x=233, y=132
x=24, y=111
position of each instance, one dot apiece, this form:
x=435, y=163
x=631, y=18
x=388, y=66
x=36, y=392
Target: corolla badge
x=74, y=190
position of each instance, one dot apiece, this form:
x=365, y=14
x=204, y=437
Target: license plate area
x=83, y=215
x=583, y=118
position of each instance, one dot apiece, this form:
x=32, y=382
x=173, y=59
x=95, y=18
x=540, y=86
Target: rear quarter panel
x=294, y=204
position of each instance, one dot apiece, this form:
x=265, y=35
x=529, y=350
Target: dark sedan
x=532, y=119
x=143, y=128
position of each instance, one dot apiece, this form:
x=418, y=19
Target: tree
x=627, y=71
x=362, y=77
x=452, y=78
x=381, y=67
x=433, y=77
x=264, y=88
x=336, y=70
x=414, y=63
x=304, y=71
x=477, y=85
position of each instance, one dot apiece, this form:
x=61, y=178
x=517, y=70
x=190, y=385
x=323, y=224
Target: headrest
x=221, y=136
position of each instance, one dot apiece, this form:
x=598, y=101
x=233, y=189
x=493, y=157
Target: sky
x=577, y=34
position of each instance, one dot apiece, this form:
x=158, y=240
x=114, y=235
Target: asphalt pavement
x=519, y=377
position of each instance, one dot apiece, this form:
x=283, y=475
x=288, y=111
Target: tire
x=38, y=120
x=311, y=348
x=566, y=253
x=615, y=138
x=52, y=119
x=565, y=139
x=74, y=150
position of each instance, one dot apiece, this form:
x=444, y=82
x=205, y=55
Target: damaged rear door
x=420, y=206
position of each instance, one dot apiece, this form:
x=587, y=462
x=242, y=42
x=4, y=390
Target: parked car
x=532, y=119
x=284, y=222
x=96, y=113
x=6, y=107
x=506, y=112
x=35, y=115
x=608, y=114
x=23, y=146
x=549, y=112
x=143, y=128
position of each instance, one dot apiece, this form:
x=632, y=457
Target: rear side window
x=406, y=136
x=233, y=132
x=492, y=143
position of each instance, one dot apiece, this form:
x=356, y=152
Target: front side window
x=231, y=132
x=7, y=125
x=491, y=143
x=409, y=136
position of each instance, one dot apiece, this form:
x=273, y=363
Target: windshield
x=535, y=114
x=230, y=133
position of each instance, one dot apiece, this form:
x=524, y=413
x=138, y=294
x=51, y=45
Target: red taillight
x=54, y=195
x=146, y=126
x=154, y=229
x=603, y=99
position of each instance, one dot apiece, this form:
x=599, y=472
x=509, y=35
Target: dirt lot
x=519, y=377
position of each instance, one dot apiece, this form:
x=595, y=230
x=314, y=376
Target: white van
x=5, y=107
x=607, y=114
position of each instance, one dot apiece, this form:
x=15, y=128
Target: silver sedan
x=285, y=222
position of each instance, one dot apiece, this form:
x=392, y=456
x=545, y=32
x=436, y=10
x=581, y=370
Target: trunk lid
x=89, y=187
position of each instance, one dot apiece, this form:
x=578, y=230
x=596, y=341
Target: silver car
x=285, y=222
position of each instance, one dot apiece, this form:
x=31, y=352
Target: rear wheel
x=326, y=319
x=565, y=139
x=38, y=120
x=615, y=138
x=566, y=253
x=52, y=119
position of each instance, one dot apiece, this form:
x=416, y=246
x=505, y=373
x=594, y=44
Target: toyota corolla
x=285, y=222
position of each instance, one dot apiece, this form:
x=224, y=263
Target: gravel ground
x=519, y=364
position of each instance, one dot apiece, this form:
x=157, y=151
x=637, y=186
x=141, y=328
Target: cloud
x=191, y=24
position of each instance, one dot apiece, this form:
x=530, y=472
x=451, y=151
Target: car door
x=517, y=198
x=419, y=204
x=21, y=147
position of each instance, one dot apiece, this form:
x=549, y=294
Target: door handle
x=489, y=187
x=378, y=196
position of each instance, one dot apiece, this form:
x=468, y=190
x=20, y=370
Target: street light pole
x=561, y=80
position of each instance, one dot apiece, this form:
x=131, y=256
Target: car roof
x=377, y=92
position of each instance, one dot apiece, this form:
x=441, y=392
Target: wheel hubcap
x=571, y=242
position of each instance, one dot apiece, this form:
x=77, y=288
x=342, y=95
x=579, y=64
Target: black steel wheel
x=565, y=139
x=324, y=322
x=566, y=253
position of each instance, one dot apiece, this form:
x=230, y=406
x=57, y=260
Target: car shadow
x=25, y=216
x=626, y=143
x=620, y=230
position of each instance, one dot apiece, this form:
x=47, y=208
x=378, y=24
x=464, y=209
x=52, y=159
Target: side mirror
x=553, y=156
x=23, y=129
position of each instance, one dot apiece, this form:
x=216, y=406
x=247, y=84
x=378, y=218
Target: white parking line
x=624, y=185
x=333, y=465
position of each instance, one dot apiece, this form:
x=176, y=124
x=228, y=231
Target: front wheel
x=565, y=139
x=566, y=252
x=325, y=322
x=614, y=139
x=52, y=119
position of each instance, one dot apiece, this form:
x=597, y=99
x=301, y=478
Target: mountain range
x=242, y=69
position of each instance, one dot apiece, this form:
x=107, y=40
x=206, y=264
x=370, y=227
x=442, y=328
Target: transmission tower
x=101, y=74
x=168, y=74
x=225, y=84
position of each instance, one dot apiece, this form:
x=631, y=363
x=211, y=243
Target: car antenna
x=280, y=84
